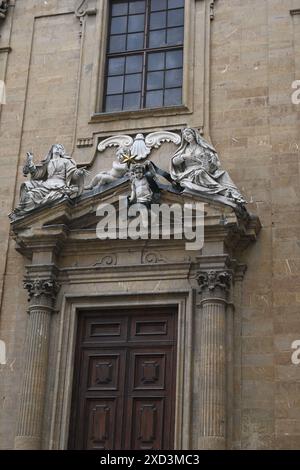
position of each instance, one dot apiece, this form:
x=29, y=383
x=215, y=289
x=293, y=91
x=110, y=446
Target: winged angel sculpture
x=195, y=166
x=131, y=152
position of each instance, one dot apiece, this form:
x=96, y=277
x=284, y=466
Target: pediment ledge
x=74, y=221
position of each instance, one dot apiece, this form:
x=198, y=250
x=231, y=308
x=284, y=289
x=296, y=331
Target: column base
x=27, y=443
x=212, y=443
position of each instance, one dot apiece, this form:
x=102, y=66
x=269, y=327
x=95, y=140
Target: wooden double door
x=124, y=380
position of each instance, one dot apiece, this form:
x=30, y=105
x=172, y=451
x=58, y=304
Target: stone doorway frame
x=127, y=274
x=63, y=388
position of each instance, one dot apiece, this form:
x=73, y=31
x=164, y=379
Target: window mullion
x=144, y=76
x=125, y=55
x=164, y=81
x=138, y=51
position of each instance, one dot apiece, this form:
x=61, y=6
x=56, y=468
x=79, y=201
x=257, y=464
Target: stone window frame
x=57, y=435
x=144, y=53
x=196, y=65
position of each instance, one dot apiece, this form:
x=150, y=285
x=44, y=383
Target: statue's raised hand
x=29, y=158
x=29, y=165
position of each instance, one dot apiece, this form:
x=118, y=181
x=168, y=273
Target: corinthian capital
x=212, y=279
x=41, y=287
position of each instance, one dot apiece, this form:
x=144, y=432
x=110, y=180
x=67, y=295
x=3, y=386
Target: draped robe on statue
x=52, y=180
x=198, y=168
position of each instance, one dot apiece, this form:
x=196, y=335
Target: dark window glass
x=133, y=82
x=135, y=41
x=158, y=20
x=175, y=17
x=157, y=5
x=157, y=38
x=175, y=36
x=172, y=96
x=175, y=3
x=156, y=61
x=115, y=85
x=155, y=80
x=113, y=103
x=145, y=54
x=154, y=99
x=134, y=63
x=173, y=78
x=117, y=43
x=136, y=23
x=137, y=7
x=118, y=25
x=132, y=101
x=174, y=59
x=116, y=66
x=119, y=8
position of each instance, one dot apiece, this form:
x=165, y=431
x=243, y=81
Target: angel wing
x=155, y=139
x=115, y=141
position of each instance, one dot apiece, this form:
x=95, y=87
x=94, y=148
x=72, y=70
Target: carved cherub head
x=139, y=171
x=123, y=153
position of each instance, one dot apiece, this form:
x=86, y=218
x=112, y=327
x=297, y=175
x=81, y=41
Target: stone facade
x=240, y=61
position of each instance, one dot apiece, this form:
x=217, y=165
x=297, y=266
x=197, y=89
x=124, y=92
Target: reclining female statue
x=196, y=166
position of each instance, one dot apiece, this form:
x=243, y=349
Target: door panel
x=100, y=416
x=103, y=372
x=106, y=328
x=145, y=431
x=124, y=383
x=149, y=371
x=153, y=327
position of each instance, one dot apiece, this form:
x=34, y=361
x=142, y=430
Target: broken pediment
x=193, y=167
x=63, y=204
x=75, y=221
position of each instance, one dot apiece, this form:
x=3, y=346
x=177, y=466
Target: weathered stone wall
x=254, y=58
x=41, y=83
x=255, y=126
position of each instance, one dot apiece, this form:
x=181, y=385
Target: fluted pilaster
x=30, y=420
x=214, y=287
